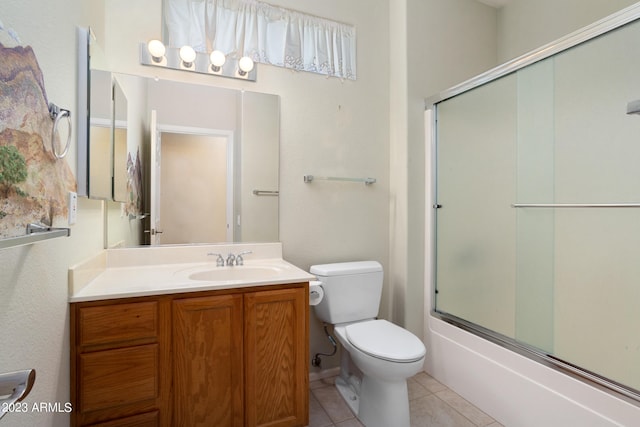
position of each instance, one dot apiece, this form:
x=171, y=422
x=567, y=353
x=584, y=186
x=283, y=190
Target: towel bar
x=367, y=181
x=266, y=192
x=35, y=233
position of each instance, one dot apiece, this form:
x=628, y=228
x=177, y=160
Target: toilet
x=377, y=356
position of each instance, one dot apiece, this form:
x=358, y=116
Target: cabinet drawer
x=112, y=378
x=107, y=324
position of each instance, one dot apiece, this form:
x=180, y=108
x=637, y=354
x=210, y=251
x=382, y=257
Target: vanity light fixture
x=217, y=59
x=188, y=56
x=156, y=50
x=245, y=65
x=156, y=54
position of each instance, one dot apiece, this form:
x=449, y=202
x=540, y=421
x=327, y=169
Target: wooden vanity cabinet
x=213, y=358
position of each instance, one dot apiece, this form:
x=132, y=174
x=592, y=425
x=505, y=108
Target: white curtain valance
x=268, y=34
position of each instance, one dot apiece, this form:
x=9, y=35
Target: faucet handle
x=240, y=259
x=231, y=259
x=219, y=260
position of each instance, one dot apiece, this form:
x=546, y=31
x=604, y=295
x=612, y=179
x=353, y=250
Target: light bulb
x=156, y=50
x=217, y=59
x=245, y=64
x=188, y=55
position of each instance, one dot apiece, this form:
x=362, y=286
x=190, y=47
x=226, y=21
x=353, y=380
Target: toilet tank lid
x=344, y=268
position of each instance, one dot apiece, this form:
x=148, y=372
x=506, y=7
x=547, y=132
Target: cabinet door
x=277, y=350
x=207, y=361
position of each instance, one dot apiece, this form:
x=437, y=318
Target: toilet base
x=384, y=403
x=348, y=393
x=376, y=403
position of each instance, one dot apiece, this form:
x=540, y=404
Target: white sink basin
x=238, y=273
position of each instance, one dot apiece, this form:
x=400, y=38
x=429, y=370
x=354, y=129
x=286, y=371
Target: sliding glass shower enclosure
x=537, y=203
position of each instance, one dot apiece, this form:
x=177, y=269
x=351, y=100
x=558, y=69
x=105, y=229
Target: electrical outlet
x=73, y=207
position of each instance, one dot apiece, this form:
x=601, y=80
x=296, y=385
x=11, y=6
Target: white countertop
x=121, y=273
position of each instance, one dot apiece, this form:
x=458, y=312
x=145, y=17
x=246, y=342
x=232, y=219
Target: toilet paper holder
x=14, y=387
x=316, y=293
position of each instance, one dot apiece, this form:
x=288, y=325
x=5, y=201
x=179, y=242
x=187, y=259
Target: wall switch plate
x=73, y=207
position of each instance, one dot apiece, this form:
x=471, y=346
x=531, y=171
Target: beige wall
x=524, y=25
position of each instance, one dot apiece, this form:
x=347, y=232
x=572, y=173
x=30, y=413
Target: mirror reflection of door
x=195, y=173
x=100, y=160
x=99, y=152
x=120, y=174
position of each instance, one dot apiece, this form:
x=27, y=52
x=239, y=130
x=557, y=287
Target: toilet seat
x=384, y=340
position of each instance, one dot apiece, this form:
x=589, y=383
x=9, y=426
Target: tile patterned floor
x=432, y=404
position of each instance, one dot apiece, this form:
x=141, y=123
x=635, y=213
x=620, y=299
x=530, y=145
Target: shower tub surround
x=164, y=336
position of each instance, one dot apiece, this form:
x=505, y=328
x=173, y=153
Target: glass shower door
x=476, y=225
x=597, y=248
x=538, y=196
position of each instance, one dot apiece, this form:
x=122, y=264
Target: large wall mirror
x=180, y=163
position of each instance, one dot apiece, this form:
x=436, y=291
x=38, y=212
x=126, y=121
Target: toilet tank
x=352, y=291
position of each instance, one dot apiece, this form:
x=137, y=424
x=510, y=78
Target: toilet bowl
x=384, y=354
x=380, y=348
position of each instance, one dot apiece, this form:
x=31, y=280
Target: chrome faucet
x=231, y=259
x=239, y=259
x=219, y=260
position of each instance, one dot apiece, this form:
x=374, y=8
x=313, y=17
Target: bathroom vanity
x=214, y=349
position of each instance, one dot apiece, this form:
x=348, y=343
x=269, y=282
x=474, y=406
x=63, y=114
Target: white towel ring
x=56, y=113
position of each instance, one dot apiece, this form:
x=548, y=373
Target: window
x=268, y=34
